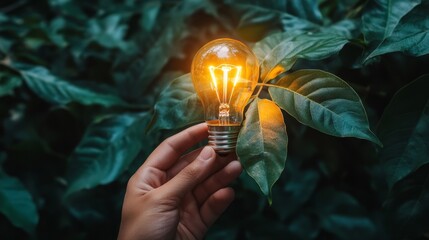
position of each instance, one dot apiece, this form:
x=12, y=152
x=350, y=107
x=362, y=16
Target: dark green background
x=79, y=81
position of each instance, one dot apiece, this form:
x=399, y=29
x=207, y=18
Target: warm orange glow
x=224, y=73
x=224, y=79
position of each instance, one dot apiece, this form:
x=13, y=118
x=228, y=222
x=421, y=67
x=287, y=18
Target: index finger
x=167, y=153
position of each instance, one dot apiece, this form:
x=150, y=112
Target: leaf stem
x=261, y=85
x=267, y=85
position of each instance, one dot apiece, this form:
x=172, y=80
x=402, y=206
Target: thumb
x=190, y=176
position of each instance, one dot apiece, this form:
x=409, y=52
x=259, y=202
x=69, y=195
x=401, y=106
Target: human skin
x=176, y=196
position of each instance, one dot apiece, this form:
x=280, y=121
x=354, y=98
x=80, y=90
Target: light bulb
x=224, y=73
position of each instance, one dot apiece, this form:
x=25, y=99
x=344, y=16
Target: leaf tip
x=270, y=198
x=373, y=138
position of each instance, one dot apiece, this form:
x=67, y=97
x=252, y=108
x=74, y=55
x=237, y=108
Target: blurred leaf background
x=81, y=81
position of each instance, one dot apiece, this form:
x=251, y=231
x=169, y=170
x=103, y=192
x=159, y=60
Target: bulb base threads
x=223, y=139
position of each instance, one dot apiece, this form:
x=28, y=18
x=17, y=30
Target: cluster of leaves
x=81, y=83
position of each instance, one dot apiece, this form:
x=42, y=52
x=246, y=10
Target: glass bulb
x=224, y=73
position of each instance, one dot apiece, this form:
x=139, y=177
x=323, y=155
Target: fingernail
x=206, y=153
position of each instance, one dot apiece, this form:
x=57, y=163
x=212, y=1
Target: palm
x=183, y=221
x=186, y=221
x=190, y=223
x=178, y=197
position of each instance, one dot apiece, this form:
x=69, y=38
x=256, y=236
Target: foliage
x=263, y=137
x=89, y=89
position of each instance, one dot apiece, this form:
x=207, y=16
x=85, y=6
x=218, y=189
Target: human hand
x=178, y=197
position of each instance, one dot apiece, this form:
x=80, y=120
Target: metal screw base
x=223, y=139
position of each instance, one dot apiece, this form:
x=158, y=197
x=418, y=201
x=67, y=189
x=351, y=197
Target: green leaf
x=306, y=9
x=251, y=15
x=302, y=9
x=324, y=102
x=8, y=81
x=341, y=214
x=280, y=51
x=141, y=72
x=255, y=21
x=17, y=204
x=334, y=10
x=341, y=29
x=106, y=150
x=262, y=143
x=5, y=46
x=58, y=91
x=178, y=105
x=382, y=17
x=263, y=47
x=411, y=36
x=149, y=14
x=109, y=32
x=404, y=131
x=299, y=187
x=304, y=226
x=408, y=205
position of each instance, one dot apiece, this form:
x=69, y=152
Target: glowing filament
x=225, y=100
